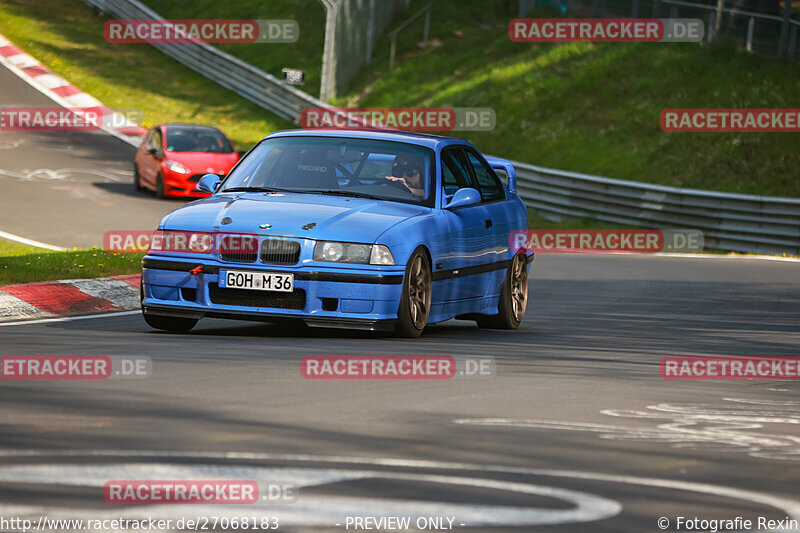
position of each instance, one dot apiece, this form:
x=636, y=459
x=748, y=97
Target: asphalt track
x=576, y=403
x=68, y=188
x=576, y=431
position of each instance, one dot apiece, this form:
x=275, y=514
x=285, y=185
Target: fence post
x=673, y=12
x=787, y=17
x=792, y=42
x=656, y=9
x=635, y=9
x=392, y=50
x=711, y=18
x=750, y=26
x=427, y=24
x=370, y=32
x=600, y=8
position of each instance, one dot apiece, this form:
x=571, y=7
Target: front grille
x=248, y=298
x=238, y=248
x=280, y=252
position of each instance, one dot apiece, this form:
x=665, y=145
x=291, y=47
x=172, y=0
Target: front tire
x=170, y=323
x=415, y=300
x=137, y=180
x=160, y=187
x=513, y=297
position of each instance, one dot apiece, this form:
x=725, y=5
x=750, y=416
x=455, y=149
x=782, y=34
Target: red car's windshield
x=194, y=139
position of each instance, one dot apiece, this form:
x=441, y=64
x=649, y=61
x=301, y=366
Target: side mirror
x=463, y=198
x=153, y=151
x=505, y=166
x=208, y=183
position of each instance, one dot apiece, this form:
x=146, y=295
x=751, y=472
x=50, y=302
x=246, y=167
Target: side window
x=151, y=138
x=155, y=141
x=453, y=173
x=490, y=187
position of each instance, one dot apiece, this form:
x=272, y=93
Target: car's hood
x=204, y=162
x=293, y=215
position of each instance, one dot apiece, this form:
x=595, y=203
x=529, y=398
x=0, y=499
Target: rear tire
x=170, y=323
x=415, y=299
x=513, y=297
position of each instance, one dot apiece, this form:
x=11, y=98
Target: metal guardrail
x=734, y=222
x=232, y=73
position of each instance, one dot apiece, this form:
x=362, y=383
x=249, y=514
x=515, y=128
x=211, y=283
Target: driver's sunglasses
x=405, y=168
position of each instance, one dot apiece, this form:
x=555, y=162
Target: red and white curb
x=64, y=93
x=69, y=297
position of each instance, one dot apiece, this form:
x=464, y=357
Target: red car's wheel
x=160, y=186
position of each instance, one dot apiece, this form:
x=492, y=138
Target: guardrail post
x=792, y=42
x=787, y=18
x=392, y=51
x=750, y=26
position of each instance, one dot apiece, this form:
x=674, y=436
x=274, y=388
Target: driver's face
x=412, y=177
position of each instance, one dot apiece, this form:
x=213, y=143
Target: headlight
x=346, y=252
x=177, y=167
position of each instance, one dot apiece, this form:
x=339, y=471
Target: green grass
x=67, y=36
x=11, y=248
x=584, y=107
x=26, y=264
x=594, y=108
x=304, y=54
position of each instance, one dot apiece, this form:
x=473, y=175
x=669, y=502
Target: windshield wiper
x=339, y=192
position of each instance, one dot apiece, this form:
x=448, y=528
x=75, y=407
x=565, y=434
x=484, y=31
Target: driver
x=407, y=170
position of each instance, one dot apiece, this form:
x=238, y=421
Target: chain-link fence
x=768, y=28
x=359, y=24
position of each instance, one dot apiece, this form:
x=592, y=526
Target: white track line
x=30, y=242
x=789, y=506
x=69, y=318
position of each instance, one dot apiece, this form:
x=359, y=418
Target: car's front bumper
x=181, y=186
x=352, y=297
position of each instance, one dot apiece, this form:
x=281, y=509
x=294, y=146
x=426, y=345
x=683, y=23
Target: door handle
x=489, y=223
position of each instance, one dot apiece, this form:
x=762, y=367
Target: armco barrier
x=735, y=222
x=242, y=78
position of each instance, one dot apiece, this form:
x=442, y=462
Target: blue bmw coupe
x=361, y=229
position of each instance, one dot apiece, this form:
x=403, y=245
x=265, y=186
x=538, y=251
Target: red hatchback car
x=173, y=157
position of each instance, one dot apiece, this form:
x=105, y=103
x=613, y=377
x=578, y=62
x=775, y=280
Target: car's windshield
x=194, y=139
x=365, y=168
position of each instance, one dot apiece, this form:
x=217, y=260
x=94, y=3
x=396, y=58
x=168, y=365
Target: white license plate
x=258, y=281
